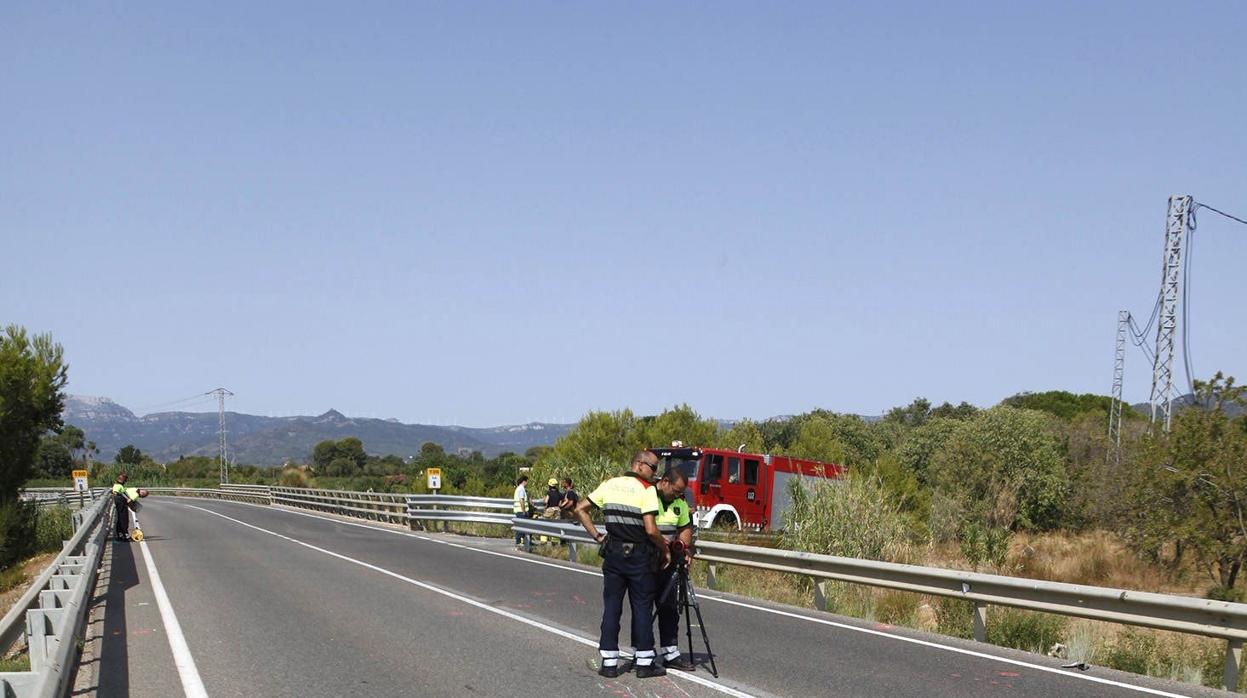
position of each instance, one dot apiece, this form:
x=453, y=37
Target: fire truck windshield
x=687, y=464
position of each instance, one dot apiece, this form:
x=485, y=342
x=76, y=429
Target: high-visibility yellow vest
x=672, y=517
x=119, y=488
x=625, y=500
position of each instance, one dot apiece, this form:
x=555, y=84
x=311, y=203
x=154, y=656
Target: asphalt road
x=279, y=602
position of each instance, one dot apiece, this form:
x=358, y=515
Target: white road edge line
x=822, y=621
x=192, y=685
x=463, y=599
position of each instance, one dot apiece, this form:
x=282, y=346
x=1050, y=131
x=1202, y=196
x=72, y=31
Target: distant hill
x=1145, y=408
x=270, y=440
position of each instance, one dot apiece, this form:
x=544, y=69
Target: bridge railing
x=255, y=497
x=372, y=506
x=453, y=509
x=52, y=612
x=1217, y=619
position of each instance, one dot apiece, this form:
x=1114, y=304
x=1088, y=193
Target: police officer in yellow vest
x=632, y=550
x=121, y=508
x=674, y=523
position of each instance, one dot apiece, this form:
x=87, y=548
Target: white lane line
x=471, y=602
x=731, y=602
x=192, y=685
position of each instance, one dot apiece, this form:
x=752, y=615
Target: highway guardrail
x=454, y=509
x=210, y=493
x=1218, y=619
x=52, y=612
x=372, y=506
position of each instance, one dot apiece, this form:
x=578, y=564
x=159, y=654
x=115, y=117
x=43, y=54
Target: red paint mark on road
x=523, y=605
x=142, y=631
x=577, y=599
x=955, y=676
x=1008, y=674
x=456, y=613
x=883, y=626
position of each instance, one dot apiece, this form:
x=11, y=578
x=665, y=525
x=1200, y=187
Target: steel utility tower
x=1119, y=371
x=1167, y=321
x=220, y=394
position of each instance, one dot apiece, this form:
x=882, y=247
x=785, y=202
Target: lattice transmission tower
x=220, y=394
x=1167, y=320
x=1119, y=372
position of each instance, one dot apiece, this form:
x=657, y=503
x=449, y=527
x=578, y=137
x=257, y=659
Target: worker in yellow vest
x=121, y=509
x=632, y=550
x=674, y=523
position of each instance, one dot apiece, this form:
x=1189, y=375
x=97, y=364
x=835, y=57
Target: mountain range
x=260, y=440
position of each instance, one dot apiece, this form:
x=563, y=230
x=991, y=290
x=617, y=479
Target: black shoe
x=649, y=671
x=680, y=663
x=610, y=672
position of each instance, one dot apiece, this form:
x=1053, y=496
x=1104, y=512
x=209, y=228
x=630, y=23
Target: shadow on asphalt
x=114, y=657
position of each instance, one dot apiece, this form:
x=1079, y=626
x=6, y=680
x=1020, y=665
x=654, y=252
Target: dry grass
x=20, y=577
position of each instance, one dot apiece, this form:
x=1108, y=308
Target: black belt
x=625, y=549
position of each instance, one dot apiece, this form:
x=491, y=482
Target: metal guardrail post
x=980, y=621
x=712, y=577
x=820, y=594
x=571, y=552
x=1233, y=661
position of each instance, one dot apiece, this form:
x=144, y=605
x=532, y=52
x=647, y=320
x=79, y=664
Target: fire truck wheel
x=725, y=521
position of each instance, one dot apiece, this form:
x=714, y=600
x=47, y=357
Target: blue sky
x=488, y=213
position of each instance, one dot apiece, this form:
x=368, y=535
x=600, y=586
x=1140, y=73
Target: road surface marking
x=192, y=685
x=471, y=602
x=845, y=626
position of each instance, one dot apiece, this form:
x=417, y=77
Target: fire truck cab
x=745, y=491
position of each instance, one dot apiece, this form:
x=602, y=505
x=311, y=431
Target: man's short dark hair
x=675, y=476
x=567, y=481
x=640, y=457
x=522, y=480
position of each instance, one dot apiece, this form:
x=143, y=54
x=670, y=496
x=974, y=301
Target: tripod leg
x=692, y=601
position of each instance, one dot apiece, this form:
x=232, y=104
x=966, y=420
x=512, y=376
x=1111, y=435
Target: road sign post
x=434, y=483
x=81, y=486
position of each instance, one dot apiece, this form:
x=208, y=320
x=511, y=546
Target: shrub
x=293, y=477
x=1024, y=630
x=17, y=525
x=854, y=517
x=53, y=525
x=897, y=607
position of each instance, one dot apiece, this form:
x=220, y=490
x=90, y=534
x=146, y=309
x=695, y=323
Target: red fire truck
x=746, y=491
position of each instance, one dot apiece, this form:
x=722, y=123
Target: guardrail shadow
x=114, y=669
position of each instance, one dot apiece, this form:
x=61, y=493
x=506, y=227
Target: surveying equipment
x=686, y=600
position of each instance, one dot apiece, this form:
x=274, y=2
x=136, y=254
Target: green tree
x=743, y=433
x=1062, y=404
x=74, y=441
x=680, y=423
x=609, y=435
x=128, y=455
x=1191, y=489
x=817, y=439
x=324, y=453
x=921, y=445
x=32, y=376
x=1003, y=469
x=352, y=449
x=915, y=414
x=54, y=460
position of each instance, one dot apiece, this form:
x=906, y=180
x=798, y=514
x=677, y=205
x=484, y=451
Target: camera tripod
x=686, y=602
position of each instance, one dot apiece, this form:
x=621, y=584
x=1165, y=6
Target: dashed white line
x=192, y=685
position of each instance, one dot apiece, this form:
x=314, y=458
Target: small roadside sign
x=80, y=481
x=434, y=476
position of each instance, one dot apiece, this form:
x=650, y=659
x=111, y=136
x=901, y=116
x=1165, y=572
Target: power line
x=1217, y=211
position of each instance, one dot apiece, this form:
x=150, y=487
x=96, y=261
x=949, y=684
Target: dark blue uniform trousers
x=631, y=575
